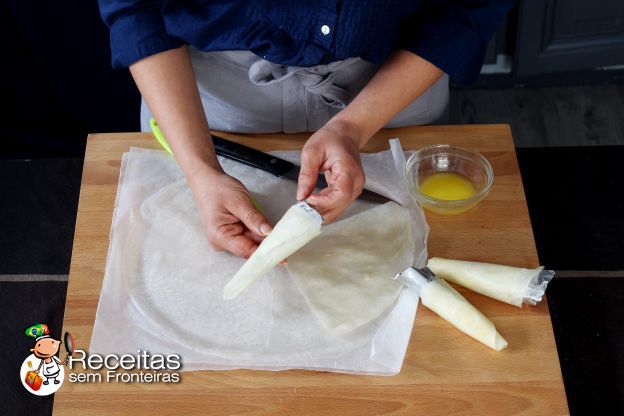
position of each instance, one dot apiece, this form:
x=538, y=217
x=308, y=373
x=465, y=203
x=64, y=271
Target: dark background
x=553, y=72
x=57, y=83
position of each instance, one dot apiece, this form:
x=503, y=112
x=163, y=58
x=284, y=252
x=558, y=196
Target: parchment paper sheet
x=163, y=283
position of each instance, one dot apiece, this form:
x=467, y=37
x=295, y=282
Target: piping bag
x=513, y=285
x=445, y=301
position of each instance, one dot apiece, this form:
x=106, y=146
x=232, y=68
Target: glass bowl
x=470, y=165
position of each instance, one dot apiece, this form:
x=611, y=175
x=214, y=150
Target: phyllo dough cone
x=441, y=298
x=296, y=228
x=513, y=285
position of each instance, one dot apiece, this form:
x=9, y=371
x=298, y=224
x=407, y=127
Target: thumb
x=249, y=215
x=311, y=161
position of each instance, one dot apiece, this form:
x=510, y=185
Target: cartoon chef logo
x=42, y=373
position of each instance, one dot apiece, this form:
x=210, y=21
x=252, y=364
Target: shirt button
x=325, y=30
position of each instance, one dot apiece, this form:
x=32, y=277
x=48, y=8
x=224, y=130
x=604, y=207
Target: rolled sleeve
x=137, y=30
x=453, y=35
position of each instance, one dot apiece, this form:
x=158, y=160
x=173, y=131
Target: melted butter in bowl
x=448, y=179
x=447, y=186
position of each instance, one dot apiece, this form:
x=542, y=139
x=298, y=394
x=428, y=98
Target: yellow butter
x=447, y=186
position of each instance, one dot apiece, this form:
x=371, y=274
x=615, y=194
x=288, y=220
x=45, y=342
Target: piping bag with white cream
x=513, y=285
x=442, y=299
x=300, y=224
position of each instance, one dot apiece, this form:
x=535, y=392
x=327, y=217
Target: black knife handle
x=276, y=166
x=251, y=157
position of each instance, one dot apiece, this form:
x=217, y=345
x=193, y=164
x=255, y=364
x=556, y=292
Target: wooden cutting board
x=445, y=372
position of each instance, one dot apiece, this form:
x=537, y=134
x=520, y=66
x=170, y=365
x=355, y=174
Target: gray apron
x=244, y=93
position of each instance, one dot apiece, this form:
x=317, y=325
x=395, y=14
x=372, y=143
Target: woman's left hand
x=335, y=151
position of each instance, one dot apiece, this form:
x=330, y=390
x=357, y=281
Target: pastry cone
x=441, y=298
x=511, y=285
x=296, y=228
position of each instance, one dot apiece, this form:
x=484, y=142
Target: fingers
x=233, y=238
x=311, y=160
x=232, y=222
x=240, y=246
x=243, y=209
x=332, y=201
x=252, y=236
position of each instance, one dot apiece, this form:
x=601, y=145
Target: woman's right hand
x=167, y=82
x=231, y=221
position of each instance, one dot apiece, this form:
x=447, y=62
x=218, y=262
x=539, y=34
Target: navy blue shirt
x=451, y=34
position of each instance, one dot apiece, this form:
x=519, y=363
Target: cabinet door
x=569, y=35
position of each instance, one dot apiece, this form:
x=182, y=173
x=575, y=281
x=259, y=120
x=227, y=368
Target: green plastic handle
x=160, y=137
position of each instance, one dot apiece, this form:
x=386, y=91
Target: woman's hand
x=334, y=150
x=167, y=83
x=231, y=220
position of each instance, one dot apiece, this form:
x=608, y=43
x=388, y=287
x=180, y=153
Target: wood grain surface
x=444, y=373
